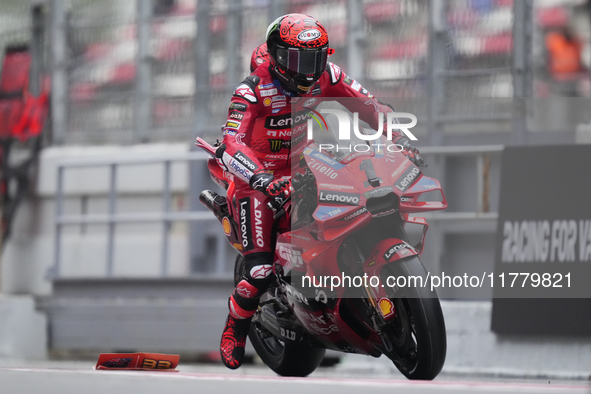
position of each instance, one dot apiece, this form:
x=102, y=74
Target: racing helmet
x=259, y=56
x=298, y=50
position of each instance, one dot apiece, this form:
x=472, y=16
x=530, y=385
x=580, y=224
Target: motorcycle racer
x=258, y=137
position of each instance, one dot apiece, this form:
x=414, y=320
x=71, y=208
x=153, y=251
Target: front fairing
x=356, y=187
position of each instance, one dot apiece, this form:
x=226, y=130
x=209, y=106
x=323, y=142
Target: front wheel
x=417, y=333
x=284, y=358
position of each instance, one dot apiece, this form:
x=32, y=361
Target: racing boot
x=243, y=304
x=236, y=330
x=234, y=341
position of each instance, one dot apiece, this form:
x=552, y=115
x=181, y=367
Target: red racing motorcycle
x=351, y=227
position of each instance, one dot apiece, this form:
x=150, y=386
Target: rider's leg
x=255, y=225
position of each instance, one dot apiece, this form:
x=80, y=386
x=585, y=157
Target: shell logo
x=226, y=225
x=267, y=101
x=386, y=307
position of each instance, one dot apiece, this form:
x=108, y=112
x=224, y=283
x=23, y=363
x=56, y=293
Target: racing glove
x=266, y=183
x=410, y=151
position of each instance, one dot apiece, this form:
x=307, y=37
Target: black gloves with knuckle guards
x=410, y=151
x=266, y=183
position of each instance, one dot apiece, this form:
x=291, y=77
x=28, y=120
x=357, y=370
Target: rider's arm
x=234, y=152
x=366, y=104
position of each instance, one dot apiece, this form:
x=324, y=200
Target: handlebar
x=277, y=205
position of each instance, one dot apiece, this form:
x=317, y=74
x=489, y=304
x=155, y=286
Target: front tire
x=284, y=358
x=418, y=331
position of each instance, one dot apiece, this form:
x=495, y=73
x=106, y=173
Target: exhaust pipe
x=215, y=203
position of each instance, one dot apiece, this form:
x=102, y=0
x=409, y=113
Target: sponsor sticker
x=395, y=249
x=275, y=110
x=310, y=102
x=279, y=104
x=268, y=92
x=263, y=179
x=400, y=168
x=286, y=121
x=316, y=91
x=239, y=138
x=275, y=145
x=407, y=178
x=267, y=86
x=335, y=73
x=333, y=197
x=267, y=101
x=355, y=85
x=292, y=255
x=258, y=224
x=354, y=214
x=242, y=158
x=239, y=169
x=226, y=225
x=378, y=192
x=243, y=90
x=277, y=157
x=243, y=291
x=280, y=133
x=238, y=107
x=325, y=159
x=233, y=125
x=279, y=97
x=324, y=213
x=386, y=307
x=236, y=115
x=245, y=234
x=425, y=184
x=309, y=35
x=261, y=271
x=333, y=186
x=229, y=132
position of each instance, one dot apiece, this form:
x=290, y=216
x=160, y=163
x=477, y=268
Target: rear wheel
x=284, y=358
x=417, y=333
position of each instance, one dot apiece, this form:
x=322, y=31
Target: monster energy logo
x=276, y=145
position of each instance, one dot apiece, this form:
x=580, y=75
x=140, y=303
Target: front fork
x=421, y=222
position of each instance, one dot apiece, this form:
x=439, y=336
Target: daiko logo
x=344, y=120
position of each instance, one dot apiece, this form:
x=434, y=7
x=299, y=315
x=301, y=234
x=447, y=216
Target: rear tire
x=422, y=341
x=284, y=358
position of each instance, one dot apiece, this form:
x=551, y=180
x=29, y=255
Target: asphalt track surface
x=64, y=378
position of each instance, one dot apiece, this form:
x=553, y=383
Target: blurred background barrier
x=549, y=239
x=112, y=235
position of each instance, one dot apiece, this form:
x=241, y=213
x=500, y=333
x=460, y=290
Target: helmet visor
x=303, y=62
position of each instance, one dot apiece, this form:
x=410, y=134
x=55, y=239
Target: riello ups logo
x=542, y=241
